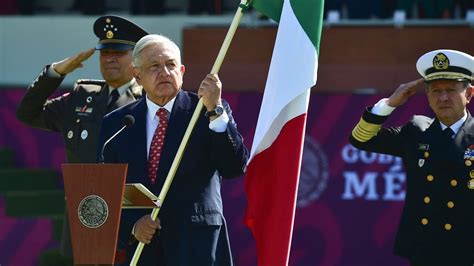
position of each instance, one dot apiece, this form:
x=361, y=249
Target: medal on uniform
x=84, y=134
x=421, y=162
x=469, y=152
x=423, y=147
x=84, y=110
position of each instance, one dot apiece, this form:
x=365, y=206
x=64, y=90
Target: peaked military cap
x=117, y=33
x=446, y=64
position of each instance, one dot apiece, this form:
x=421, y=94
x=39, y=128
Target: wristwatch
x=219, y=110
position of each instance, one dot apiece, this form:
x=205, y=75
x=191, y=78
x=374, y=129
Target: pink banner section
x=348, y=205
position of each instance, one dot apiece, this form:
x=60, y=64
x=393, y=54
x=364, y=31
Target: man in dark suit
x=77, y=115
x=193, y=229
x=436, y=227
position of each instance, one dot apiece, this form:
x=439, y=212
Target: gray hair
x=149, y=40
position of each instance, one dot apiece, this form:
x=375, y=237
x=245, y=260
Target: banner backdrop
x=349, y=201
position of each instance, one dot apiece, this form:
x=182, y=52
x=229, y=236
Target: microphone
x=127, y=121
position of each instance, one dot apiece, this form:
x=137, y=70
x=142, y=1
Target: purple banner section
x=349, y=201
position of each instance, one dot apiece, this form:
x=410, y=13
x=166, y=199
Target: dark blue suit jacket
x=193, y=203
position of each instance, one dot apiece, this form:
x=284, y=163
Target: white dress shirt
x=152, y=121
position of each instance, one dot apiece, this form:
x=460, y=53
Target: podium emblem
x=93, y=211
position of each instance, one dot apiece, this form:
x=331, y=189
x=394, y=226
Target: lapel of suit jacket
x=102, y=99
x=465, y=136
x=433, y=137
x=179, y=119
x=137, y=140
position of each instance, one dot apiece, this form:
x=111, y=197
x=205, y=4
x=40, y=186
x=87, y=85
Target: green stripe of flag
x=310, y=15
x=308, y=12
x=270, y=8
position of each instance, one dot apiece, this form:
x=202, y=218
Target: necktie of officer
x=157, y=144
x=114, y=95
x=448, y=133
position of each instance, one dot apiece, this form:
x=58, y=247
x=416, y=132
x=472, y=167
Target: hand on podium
x=145, y=228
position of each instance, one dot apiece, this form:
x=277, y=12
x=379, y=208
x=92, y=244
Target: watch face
x=219, y=110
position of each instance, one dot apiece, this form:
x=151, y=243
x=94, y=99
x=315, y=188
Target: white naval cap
x=446, y=64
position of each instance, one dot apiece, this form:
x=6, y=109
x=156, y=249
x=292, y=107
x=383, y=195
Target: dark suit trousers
x=198, y=245
x=195, y=245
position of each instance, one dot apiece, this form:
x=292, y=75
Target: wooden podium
x=94, y=198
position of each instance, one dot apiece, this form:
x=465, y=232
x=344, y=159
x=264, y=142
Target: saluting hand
x=404, y=92
x=145, y=228
x=210, y=91
x=70, y=64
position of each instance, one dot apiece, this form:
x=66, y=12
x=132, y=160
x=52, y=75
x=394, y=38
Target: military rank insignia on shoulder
x=98, y=82
x=90, y=85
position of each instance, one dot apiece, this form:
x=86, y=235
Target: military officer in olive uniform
x=437, y=224
x=77, y=115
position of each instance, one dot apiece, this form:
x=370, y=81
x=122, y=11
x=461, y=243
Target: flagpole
x=243, y=6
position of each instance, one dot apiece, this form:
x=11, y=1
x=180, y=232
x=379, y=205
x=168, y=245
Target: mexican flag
x=271, y=180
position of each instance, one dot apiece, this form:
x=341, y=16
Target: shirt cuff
x=219, y=124
x=52, y=73
x=382, y=108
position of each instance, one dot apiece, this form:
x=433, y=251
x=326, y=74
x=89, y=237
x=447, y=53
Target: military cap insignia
x=117, y=33
x=445, y=64
x=440, y=61
x=109, y=28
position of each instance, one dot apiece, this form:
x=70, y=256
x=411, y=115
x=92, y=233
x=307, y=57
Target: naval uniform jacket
x=437, y=223
x=194, y=200
x=77, y=116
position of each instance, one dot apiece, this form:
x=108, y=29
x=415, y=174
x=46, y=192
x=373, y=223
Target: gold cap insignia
x=109, y=34
x=107, y=20
x=440, y=61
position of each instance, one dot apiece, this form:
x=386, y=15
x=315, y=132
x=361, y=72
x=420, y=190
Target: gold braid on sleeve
x=364, y=130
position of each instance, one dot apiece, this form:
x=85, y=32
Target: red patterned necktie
x=157, y=144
